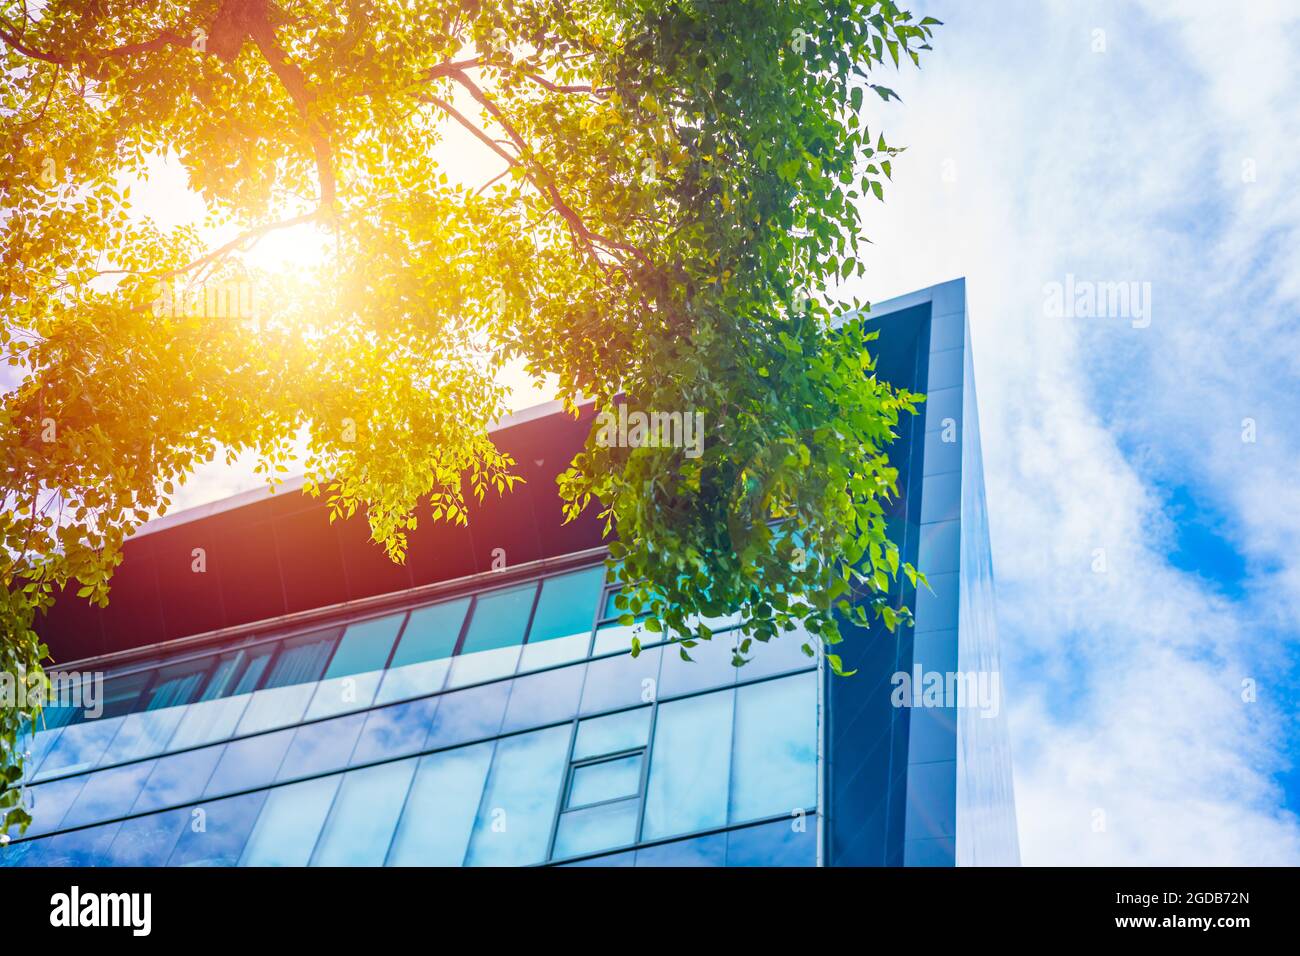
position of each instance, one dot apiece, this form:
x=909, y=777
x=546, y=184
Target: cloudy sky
x=1147, y=549
x=1145, y=515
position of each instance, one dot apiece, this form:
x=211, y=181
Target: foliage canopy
x=643, y=198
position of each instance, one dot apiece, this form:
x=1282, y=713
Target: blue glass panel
x=37, y=746
x=566, y=610
x=495, y=633
x=513, y=826
x=321, y=747
x=251, y=762
x=468, y=715
x=618, y=637
x=612, y=733
x=79, y=747
x=177, y=779
x=48, y=803
x=147, y=732
x=621, y=681
x=544, y=698
x=774, y=764
x=148, y=840
x=423, y=656
x=216, y=835
x=689, y=766
x=605, y=780
x=218, y=711
x=108, y=794
x=709, y=666
x=597, y=828
x=289, y=823
x=790, y=842
x=88, y=847
x=27, y=852
x=441, y=808
x=355, y=669
x=780, y=654
x=290, y=682
x=395, y=730
x=708, y=850
x=361, y=824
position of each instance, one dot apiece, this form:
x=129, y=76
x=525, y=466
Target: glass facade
x=510, y=726
x=506, y=722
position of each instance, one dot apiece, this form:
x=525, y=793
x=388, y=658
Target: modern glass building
x=277, y=693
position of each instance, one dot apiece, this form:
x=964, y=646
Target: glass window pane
x=774, y=767
x=357, y=666
x=618, y=637
x=689, y=766
x=216, y=714
x=395, y=730
x=467, y=715
x=513, y=827
x=48, y=803
x=606, y=780
x=248, y=763
x=627, y=858
x=709, y=667
x=423, y=655
x=440, y=811
x=80, y=747
x=495, y=633
x=544, y=698
x=613, y=733
x=148, y=840
x=108, y=794
x=290, y=682
x=218, y=831
x=36, y=746
x=708, y=850
x=178, y=779
x=321, y=747
x=597, y=828
x=782, y=653
x=790, y=842
x=621, y=681
x=289, y=823
x=561, y=629
x=360, y=826
x=146, y=732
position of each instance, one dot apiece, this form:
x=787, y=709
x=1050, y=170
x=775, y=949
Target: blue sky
x=1160, y=150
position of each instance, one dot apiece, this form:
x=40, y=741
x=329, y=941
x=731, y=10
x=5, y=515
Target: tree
x=669, y=191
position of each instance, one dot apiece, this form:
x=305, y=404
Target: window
x=289, y=683
x=218, y=831
x=603, y=797
x=423, y=656
x=250, y=762
x=216, y=713
x=148, y=841
x=83, y=742
x=566, y=611
x=513, y=826
x=495, y=634
x=146, y=733
x=603, y=780
x=178, y=779
x=443, y=804
x=395, y=730
x=108, y=794
x=365, y=812
x=321, y=747
x=774, y=767
x=356, y=668
x=689, y=763
x=289, y=823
